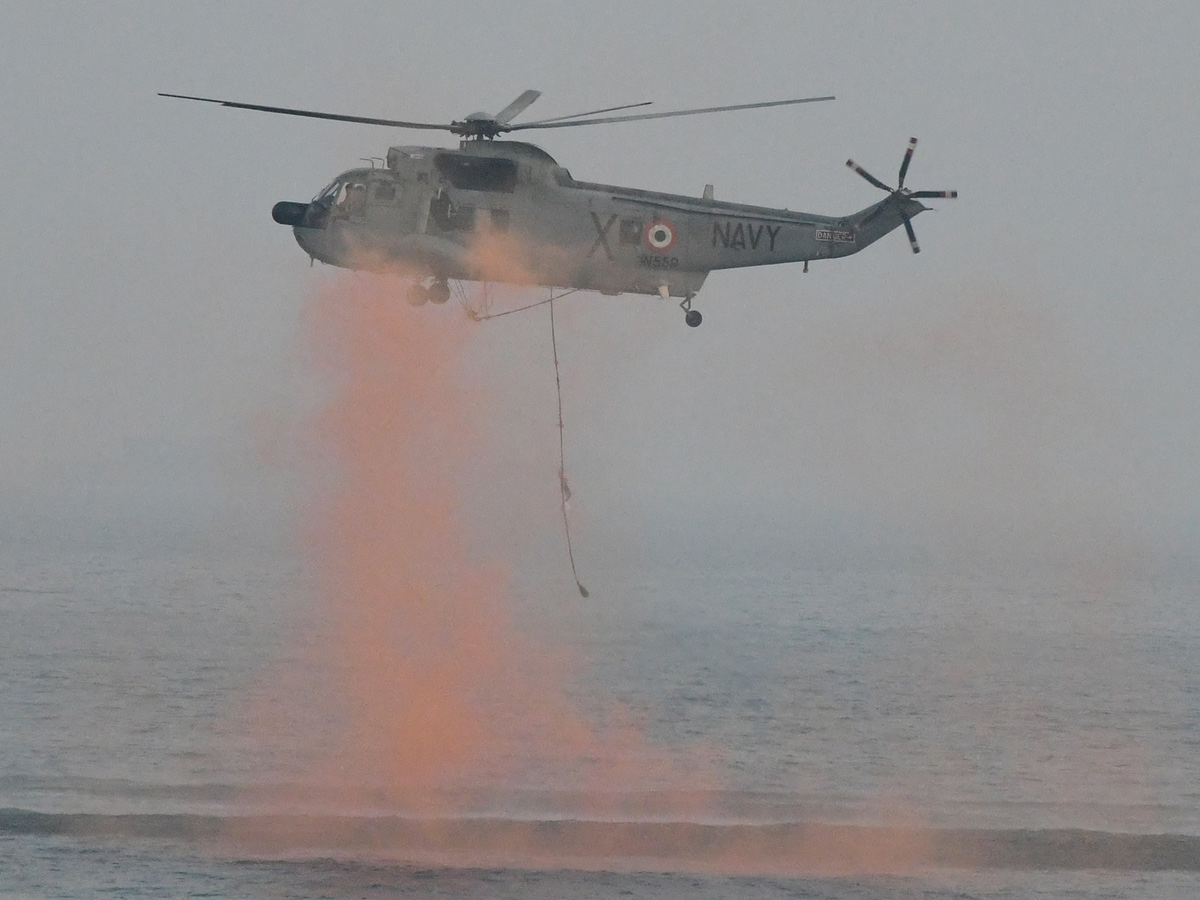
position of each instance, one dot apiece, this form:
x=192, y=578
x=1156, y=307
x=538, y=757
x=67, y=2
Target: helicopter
x=506, y=211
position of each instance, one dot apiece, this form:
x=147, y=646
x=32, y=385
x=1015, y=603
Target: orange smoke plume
x=436, y=712
x=435, y=687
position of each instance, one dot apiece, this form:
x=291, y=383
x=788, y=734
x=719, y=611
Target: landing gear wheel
x=439, y=292
x=416, y=294
x=691, y=316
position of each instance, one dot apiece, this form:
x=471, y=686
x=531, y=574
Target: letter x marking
x=602, y=235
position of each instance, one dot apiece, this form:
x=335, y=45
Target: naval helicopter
x=505, y=211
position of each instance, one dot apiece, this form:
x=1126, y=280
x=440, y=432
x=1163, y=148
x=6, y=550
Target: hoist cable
x=562, y=464
x=479, y=317
x=564, y=487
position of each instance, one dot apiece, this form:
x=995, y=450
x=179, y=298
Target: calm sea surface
x=1006, y=735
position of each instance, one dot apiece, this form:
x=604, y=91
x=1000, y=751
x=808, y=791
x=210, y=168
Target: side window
x=478, y=173
x=631, y=232
x=384, y=192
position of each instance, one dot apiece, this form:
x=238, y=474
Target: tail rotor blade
x=851, y=164
x=912, y=235
x=912, y=145
x=900, y=197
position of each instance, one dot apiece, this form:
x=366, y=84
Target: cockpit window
x=349, y=198
x=478, y=173
x=326, y=191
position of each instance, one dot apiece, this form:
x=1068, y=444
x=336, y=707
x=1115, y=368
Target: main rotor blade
x=912, y=145
x=851, y=164
x=667, y=115
x=310, y=114
x=912, y=235
x=517, y=107
x=946, y=195
x=594, y=112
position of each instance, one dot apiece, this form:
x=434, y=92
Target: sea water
x=1037, y=731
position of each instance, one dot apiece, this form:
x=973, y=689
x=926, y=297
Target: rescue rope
x=562, y=464
x=483, y=317
x=564, y=486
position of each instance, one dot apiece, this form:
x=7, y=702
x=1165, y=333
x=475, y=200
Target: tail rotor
x=900, y=192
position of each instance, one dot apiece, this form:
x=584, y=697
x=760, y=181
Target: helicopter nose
x=287, y=212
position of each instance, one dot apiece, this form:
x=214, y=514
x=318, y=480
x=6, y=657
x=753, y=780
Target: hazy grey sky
x=1034, y=370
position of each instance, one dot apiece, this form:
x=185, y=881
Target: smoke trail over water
x=434, y=687
x=436, y=704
